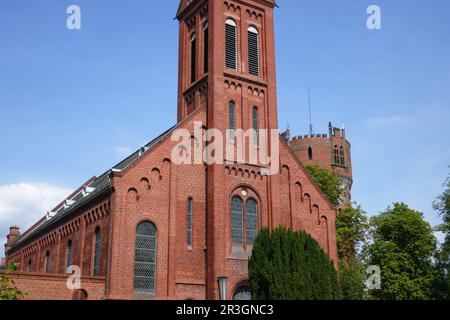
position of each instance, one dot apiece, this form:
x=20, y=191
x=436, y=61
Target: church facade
x=150, y=228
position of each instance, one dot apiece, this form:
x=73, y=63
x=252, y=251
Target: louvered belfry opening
x=253, y=51
x=230, y=45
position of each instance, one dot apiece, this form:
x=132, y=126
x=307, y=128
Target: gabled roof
x=80, y=197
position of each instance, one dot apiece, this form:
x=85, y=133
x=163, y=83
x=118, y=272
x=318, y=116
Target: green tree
x=328, y=182
x=8, y=289
x=287, y=265
x=351, y=233
x=351, y=280
x=442, y=206
x=403, y=247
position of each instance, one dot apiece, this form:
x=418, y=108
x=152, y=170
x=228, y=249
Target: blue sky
x=74, y=103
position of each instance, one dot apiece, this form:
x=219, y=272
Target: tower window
x=29, y=266
x=189, y=222
x=255, y=125
x=205, y=48
x=232, y=119
x=310, y=153
x=336, y=155
x=97, y=253
x=342, y=156
x=230, y=44
x=193, y=56
x=145, y=258
x=253, y=51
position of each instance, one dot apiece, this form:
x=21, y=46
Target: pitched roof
x=86, y=193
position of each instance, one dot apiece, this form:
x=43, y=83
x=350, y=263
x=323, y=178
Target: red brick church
x=151, y=229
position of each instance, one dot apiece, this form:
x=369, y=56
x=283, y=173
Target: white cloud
x=22, y=204
x=388, y=121
x=123, y=151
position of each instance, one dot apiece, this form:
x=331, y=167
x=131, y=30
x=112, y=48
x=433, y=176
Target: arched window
x=47, y=261
x=145, y=258
x=97, y=251
x=230, y=44
x=310, y=153
x=29, y=268
x=232, y=119
x=336, y=155
x=237, y=228
x=255, y=125
x=205, y=47
x=342, y=156
x=251, y=221
x=193, y=56
x=253, y=51
x=69, y=254
x=189, y=222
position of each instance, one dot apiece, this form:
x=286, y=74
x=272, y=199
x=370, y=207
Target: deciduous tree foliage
x=442, y=205
x=351, y=230
x=403, y=246
x=8, y=289
x=328, y=182
x=287, y=265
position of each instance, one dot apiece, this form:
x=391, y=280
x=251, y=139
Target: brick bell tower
x=227, y=63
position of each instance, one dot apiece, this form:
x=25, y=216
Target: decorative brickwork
x=148, y=186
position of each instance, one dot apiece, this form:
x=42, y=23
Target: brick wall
x=54, y=287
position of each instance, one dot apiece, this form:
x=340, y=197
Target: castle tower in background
x=330, y=151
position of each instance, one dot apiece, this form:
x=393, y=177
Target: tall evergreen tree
x=287, y=265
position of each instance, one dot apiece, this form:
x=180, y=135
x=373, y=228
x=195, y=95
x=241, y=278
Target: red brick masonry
x=150, y=187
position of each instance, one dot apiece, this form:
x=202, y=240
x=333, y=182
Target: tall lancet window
x=237, y=225
x=232, y=119
x=205, y=48
x=193, y=56
x=230, y=44
x=145, y=258
x=251, y=221
x=69, y=255
x=255, y=125
x=253, y=51
x=97, y=251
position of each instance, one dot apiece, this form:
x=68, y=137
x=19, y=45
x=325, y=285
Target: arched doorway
x=242, y=293
x=80, y=295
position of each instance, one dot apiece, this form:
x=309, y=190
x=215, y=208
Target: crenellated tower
x=330, y=151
